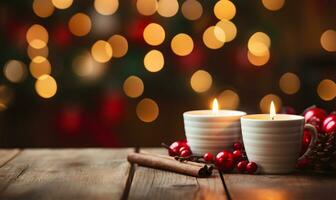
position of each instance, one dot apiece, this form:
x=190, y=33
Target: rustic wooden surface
x=105, y=174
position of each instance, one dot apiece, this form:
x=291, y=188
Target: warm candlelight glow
x=272, y=110
x=215, y=106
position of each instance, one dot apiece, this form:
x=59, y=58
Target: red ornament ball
x=315, y=112
x=251, y=167
x=241, y=166
x=303, y=163
x=305, y=141
x=329, y=124
x=237, y=146
x=208, y=157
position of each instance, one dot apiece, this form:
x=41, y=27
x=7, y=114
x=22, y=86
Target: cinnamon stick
x=166, y=163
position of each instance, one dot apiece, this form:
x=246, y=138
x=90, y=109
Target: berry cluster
x=225, y=160
x=323, y=152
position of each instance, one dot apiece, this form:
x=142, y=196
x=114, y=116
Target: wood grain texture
x=157, y=184
x=264, y=187
x=7, y=154
x=66, y=174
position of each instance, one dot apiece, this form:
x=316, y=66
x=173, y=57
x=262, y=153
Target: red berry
x=241, y=166
x=251, y=167
x=223, y=155
x=228, y=165
x=237, y=155
x=185, y=153
x=208, y=157
x=305, y=141
x=329, y=124
x=175, y=147
x=237, y=146
x=219, y=162
x=303, y=163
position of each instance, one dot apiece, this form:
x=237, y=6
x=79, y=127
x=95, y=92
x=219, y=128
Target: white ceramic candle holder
x=274, y=144
x=207, y=131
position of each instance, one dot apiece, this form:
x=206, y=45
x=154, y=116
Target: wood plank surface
x=66, y=174
x=6, y=155
x=157, y=184
x=278, y=187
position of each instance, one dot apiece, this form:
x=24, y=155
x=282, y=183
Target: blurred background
x=109, y=73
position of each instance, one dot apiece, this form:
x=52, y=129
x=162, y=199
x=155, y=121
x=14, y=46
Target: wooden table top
x=106, y=174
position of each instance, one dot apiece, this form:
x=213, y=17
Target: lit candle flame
x=272, y=111
x=215, y=106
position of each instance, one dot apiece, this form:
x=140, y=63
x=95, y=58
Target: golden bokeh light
x=79, y=24
x=46, y=86
x=326, y=89
x=201, y=81
x=289, y=83
x=62, y=4
x=273, y=5
x=192, y=9
x=258, y=60
x=265, y=103
x=133, y=87
x=15, y=71
x=154, y=34
x=37, y=36
x=32, y=52
x=147, y=7
x=43, y=8
x=224, y=9
x=39, y=66
x=6, y=96
x=101, y=51
x=147, y=110
x=228, y=28
x=106, y=7
x=182, y=44
x=154, y=61
x=86, y=67
x=214, y=37
x=229, y=99
x=259, y=44
x=328, y=40
x=167, y=8
x=119, y=45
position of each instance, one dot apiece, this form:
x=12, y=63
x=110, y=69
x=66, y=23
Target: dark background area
x=98, y=113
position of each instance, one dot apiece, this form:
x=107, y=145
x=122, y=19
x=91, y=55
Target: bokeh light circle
x=154, y=34
x=224, y=9
x=133, y=87
x=211, y=35
x=37, y=36
x=43, y=8
x=273, y=5
x=192, y=9
x=62, y=4
x=228, y=99
x=258, y=60
x=119, y=45
x=46, y=86
x=289, y=83
x=182, y=44
x=201, y=81
x=147, y=110
x=106, y=7
x=80, y=24
x=154, y=61
x=265, y=103
x=39, y=66
x=147, y=7
x=101, y=51
x=15, y=71
x=328, y=40
x=167, y=8
x=32, y=52
x=229, y=29
x=326, y=89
